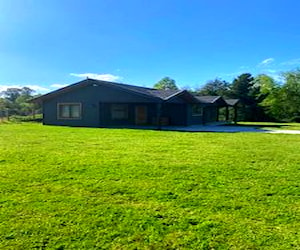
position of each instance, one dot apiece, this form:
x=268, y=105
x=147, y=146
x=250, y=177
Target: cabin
x=97, y=103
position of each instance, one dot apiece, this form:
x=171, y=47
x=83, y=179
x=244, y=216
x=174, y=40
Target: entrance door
x=141, y=115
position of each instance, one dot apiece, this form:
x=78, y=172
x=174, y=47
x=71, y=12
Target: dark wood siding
x=106, y=119
x=176, y=113
x=194, y=120
x=210, y=114
x=92, y=99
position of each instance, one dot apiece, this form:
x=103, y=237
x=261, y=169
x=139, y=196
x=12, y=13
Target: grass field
x=84, y=188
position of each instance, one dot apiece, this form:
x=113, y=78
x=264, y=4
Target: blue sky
x=45, y=44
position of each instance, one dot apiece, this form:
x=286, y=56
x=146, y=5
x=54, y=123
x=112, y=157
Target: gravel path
x=229, y=129
x=294, y=132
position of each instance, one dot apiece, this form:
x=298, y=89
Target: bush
x=295, y=119
x=19, y=118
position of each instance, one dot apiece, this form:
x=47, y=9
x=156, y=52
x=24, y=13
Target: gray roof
x=208, y=99
x=151, y=92
x=232, y=102
x=154, y=94
x=162, y=94
x=148, y=92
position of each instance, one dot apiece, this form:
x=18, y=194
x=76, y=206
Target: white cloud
x=275, y=74
x=36, y=88
x=266, y=62
x=270, y=71
x=104, y=77
x=58, y=86
x=277, y=77
x=292, y=62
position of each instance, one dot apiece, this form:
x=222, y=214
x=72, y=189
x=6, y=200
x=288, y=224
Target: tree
x=291, y=94
x=268, y=96
x=166, y=83
x=3, y=103
x=16, y=100
x=265, y=83
x=11, y=94
x=244, y=89
x=241, y=87
x=27, y=92
x=215, y=87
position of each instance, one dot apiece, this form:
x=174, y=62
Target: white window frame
x=59, y=117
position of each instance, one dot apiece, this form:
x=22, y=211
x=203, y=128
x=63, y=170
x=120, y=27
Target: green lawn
x=84, y=188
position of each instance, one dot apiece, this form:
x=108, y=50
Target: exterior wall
x=92, y=100
x=194, y=120
x=176, y=113
x=177, y=100
x=210, y=114
x=106, y=119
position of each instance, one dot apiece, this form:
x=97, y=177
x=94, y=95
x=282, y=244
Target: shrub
x=295, y=119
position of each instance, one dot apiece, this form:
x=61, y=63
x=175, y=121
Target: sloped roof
x=155, y=94
x=151, y=92
x=232, y=102
x=164, y=94
x=212, y=100
x=147, y=92
x=208, y=99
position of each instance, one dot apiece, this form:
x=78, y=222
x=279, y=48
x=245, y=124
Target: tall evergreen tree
x=244, y=89
x=215, y=87
x=241, y=87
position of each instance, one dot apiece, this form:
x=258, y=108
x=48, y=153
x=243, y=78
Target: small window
x=119, y=111
x=197, y=110
x=69, y=111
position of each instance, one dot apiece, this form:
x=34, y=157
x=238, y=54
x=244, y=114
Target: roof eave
x=181, y=92
x=59, y=91
x=85, y=82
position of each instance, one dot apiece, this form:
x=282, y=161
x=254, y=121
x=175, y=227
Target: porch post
x=227, y=113
x=235, y=114
x=218, y=113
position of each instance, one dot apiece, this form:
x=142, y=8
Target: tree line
x=16, y=101
x=261, y=97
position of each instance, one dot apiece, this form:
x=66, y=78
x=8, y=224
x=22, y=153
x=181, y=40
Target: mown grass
x=84, y=188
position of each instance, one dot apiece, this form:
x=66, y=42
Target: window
x=197, y=110
x=69, y=110
x=119, y=111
